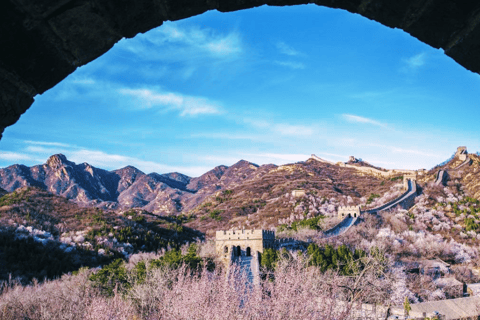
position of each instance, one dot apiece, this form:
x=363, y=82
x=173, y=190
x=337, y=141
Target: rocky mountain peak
x=244, y=164
x=178, y=177
x=57, y=160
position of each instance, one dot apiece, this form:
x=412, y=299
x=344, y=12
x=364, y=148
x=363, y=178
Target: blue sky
x=268, y=85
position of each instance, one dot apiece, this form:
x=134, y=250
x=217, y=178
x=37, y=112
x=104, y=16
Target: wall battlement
x=244, y=234
x=344, y=211
x=349, y=208
x=368, y=170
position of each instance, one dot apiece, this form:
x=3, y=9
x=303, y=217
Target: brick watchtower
x=246, y=242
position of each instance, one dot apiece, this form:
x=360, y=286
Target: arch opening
x=35, y=64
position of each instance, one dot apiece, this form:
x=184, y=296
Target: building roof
x=451, y=308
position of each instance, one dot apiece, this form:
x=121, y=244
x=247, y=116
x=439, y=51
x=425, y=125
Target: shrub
x=111, y=277
x=371, y=197
x=215, y=214
x=269, y=259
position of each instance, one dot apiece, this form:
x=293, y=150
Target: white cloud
x=284, y=156
x=358, y=119
x=187, y=105
x=84, y=81
x=415, y=62
x=14, y=156
x=44, y=150
x=373, y=95
x=225, y=136
x=225, y=160
x=44, y=143
x=338, y=156
x=284, y=129
x=225, y=46
x=177, y=43
x=115, y=161
x=415, y=152
x=275, y=158
x=39, y=151
x=291, y=64
x=286, y=49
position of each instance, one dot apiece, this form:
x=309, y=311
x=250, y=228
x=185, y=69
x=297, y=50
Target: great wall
x=244, y=247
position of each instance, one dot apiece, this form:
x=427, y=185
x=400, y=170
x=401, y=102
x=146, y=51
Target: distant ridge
x=127, y=187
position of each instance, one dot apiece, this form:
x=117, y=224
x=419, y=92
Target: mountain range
x=241, y=194
x=127, y=187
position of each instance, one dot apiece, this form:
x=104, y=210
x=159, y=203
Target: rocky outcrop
x=42, y=42
x=169, y=193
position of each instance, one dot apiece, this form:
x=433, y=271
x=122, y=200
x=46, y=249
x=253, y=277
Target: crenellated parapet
x=345, y=211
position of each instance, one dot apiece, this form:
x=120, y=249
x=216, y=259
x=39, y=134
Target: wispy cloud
x=276, y=158
x=369, y=95
x=225, y=136
x=284, y=129
x=187, y=105
x=286, y=49
x=415, y=152
x=83, y=81
x=291, y=64
x=14, y=156
x=116, y=161
x=414, y=63
x=358, y=119
x=225, y=160
x=44, y=143
x=178, y=43
x=44, y=150
x=334, y=155
x=39, y=151
x=399, y=150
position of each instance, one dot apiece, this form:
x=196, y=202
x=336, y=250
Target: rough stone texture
x=43, y=41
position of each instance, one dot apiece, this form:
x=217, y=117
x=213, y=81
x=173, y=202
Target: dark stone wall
x=43, y=41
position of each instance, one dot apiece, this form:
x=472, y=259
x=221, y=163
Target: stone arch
x=239, y=251
x=225, y=249
x=44, y=42
x=248, y=252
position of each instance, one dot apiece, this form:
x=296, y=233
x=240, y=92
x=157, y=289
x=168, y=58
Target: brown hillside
x=265, y=198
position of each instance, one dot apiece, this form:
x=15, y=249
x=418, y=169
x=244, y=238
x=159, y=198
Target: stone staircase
x=248, y=266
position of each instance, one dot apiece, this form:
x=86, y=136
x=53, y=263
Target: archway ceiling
x=43, y=41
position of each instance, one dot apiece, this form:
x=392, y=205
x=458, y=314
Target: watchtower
x=298, y=193
x=345, y=211
x=245, y=242
x=409, y=176
x=461, y=153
